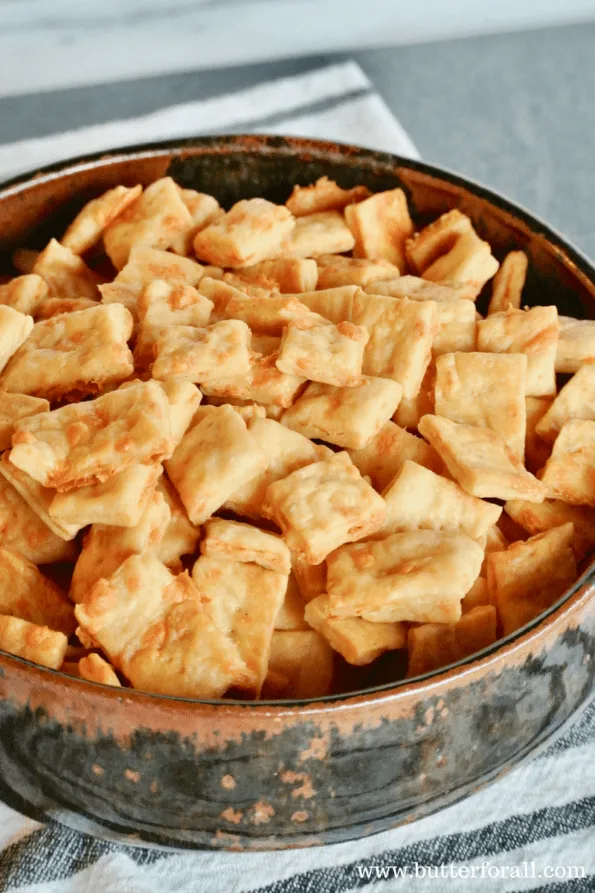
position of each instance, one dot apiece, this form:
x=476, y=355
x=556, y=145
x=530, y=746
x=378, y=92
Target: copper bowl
x=176, y=772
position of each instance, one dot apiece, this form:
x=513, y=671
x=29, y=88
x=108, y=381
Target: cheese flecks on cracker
x=359, y=641
x=288, y=274
x=32, y=642
x=322, y=233
x=26, y=593
x=88, y=226
x=14, y=407
x=22, y=530
x=24, y=293
x=65, y=273
x=381, y=225
x=385, y=454
x=37, y=497
x=324, y=353
x=236, y=541
x=94, y=668
x=203, y=354
x=251, y=231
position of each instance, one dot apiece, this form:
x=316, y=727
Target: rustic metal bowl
x=185, y=773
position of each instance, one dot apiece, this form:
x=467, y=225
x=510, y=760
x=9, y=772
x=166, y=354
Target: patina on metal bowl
x=183, y=773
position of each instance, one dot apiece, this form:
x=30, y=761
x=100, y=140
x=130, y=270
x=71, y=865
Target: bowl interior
x=35, y=208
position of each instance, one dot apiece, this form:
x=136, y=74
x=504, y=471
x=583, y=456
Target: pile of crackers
x=252, y=452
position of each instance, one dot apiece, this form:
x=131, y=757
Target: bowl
x=175, y=772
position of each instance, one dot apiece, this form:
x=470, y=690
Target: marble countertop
x=514, y=111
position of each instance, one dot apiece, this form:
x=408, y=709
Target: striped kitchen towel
x=534, y=830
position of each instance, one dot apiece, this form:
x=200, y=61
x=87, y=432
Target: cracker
x=323, y=233
x=252, y=230
x=419, y=499
x=291, y=613
x=323, y=195
x=143, y=267
x=94, y=668
x=300, y=665
x=480, y=461
x=420, y=576
x=15, y=329
x=401, y=335
x=216, y=456
x=310, y=578
x=509, y=281
x=576, y=400
x=528, y=578
x=417, y=289
x=235, y=541
x=26, y=593
x=181, y=535
x=469, y=261
x=348, y=417
x=385, y=454
x=436, y=239
x=154, y=220
x=105, y=548
x=89, y=224
x=477, y=595
x=14, y=407
x=66, y=275
x=32, y=642
x=435, y=645
x=533, y=332
x=204, y=210
x=220, y=293
x=73, y=354
x=158, y=632
x=263, y=384
x=250, y=412
x=24, y=293
x=120, y=501
x=334, y=304
x=244, y=600
x=326, y=353
x=86, y=443
x=411, y=410
x=553, y=513
x=381, y=224
x=456, y=327
x=164, y=303
x=537, y=451
x=23, y=531
x=37, y=497
x=286, y=451
x=269, y=316
x=568, y=473
x=288, y=274
x=358, y=641
x=335, y=271
x=54, y=306
x=576, y=344
x=203, y=354
x=486, y=390
x=323, y=505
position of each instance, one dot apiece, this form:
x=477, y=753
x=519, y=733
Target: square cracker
x=288, y=274
x=73, y=354
x=208, y=354
x=252, y=230
x=15, y=328
x=486, y=390
x=530, y=576
x=181, y=535
x=164, y=303
x=358, y=641
x=385, y=454
x=204, y=209
x=87, y=443
x=26, y=593
x=23, y=531
x=300, y=665
x=538, y=518
x=456, y=327
x=216, y=456
x=32, y=642
x=87, y=227
x=155, y=219
x=24, y=293
x=419, y=499
x=37, y=497
x=236, y=541
x=325, y=353
x=533, y=332
x=323, y=505
x=537, y=451
x=417, y=289
x=263, y=384
x=381, y=224
x=348, y=417
x=576, y=344
x=568, y=473
x=158, y=631
x=419, y=576
x=334, y=304
x=435, y=645
x=244, y=600
x=469, y=261
x=14, y=407
x=576, y=400
x=401, y=336
x=269, y=316
x=323, y=195
x=105, y=548
x=335, y=271
x=508, y=284
x=480, y=461
x=322, y=233
x=65, y=273
x=286, y=451
x=119, y=501
x=436, y=239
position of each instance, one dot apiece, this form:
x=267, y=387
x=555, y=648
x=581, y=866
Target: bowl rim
x=273, y=144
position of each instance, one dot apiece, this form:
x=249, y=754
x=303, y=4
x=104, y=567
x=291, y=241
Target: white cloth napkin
x=537, y=821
